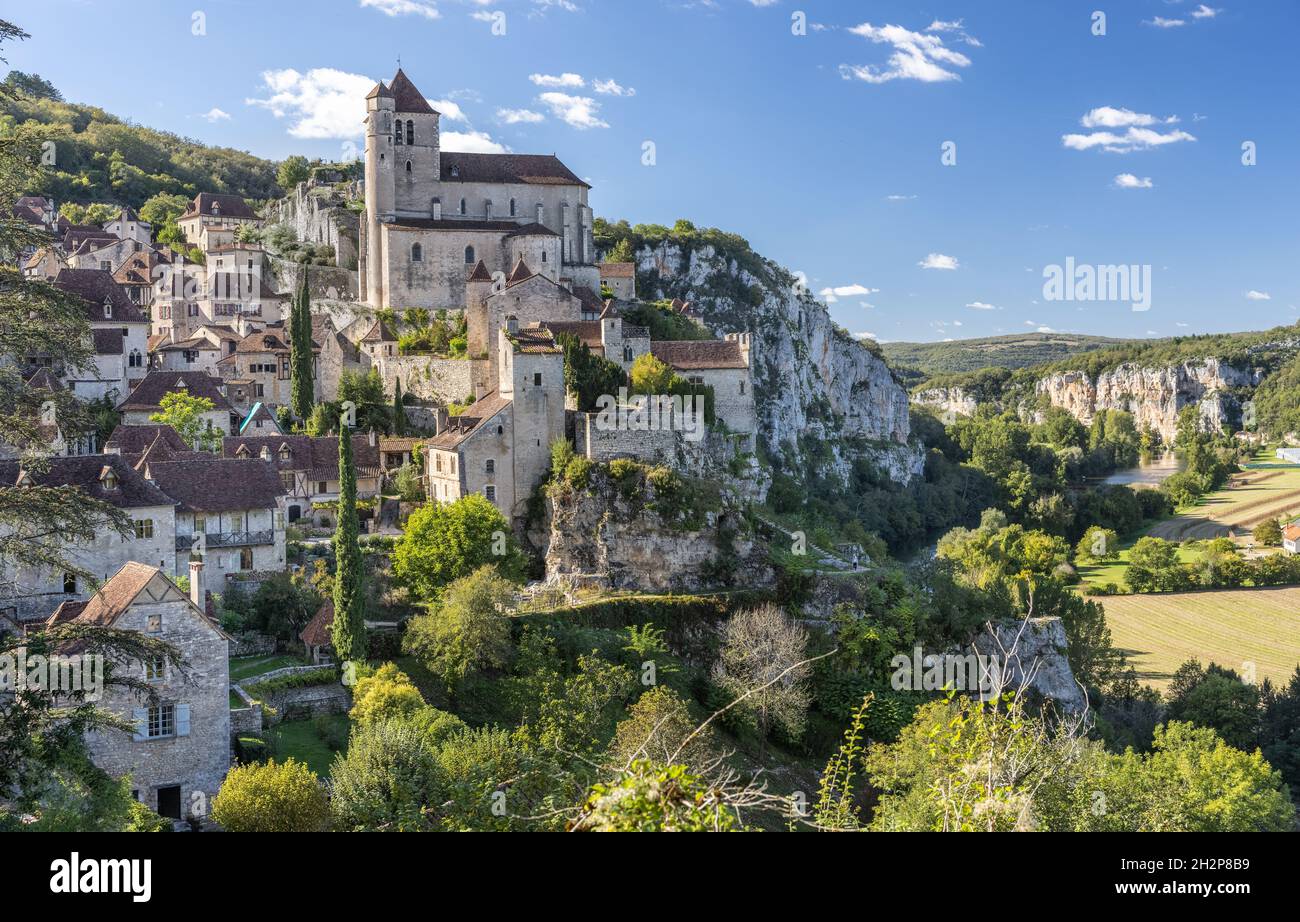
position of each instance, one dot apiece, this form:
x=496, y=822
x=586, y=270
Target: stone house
x=1291, y=538
x=501, y=446
x=317, y=637
x=263, y=361
x=137, y=275
x=146, y=399
x=231, y=511
x=620, y=279
x=619, y=342
x=120, y=331
x=723, y=365
x=128, y=226
x=179, y=752
x=308, y=467
x=109, y=478
x=211, y=209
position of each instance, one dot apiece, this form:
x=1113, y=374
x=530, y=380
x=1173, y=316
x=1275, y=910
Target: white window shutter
x=182, y=720
x=140, y=717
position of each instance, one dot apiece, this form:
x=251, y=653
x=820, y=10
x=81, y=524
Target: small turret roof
x=380, y=91
x=480, y=273
x=520, y=273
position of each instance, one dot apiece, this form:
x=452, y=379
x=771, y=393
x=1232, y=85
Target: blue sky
x=823, y=149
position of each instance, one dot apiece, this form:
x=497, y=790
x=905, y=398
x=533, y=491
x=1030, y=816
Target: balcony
x=228, y=539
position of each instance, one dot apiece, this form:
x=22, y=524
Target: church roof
x=406, y=97
x=379, y=333
x=521, y=273
x=529, y=169
x=480, y=273
x=380, y=91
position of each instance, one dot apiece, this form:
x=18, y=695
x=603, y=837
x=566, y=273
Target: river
x=1151, y=472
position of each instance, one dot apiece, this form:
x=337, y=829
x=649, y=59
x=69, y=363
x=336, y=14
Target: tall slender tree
x=399, y=411
x=349, y=632
x=301, y=374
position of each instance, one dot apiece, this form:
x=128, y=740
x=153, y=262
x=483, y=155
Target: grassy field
x=1263, y=491
x=1233, y=627
x=302, y=740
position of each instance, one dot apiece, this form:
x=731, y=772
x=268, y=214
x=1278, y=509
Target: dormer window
x=108, y=479
x=241, y=451
x=455, y=171
x=216, y=208
x=108, y=309
x=265, y=453
x=286, y=454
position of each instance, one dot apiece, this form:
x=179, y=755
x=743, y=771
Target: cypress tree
x=302, y=386
x=399, y=411
x=349, y=632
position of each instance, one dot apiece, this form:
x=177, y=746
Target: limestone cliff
x=1156, y=395
x=820, y=393
x=950, y=402
x=646, y=530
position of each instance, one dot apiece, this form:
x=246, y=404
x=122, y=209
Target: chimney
x=437, y=209
x=512, y=325
x=197, y=595
x=374, y=440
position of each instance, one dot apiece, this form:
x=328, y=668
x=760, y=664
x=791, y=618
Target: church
x=433, y=215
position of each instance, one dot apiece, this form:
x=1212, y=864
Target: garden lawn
x=302, y=740
x=248, y=667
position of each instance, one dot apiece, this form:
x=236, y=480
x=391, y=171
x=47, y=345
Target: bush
x=386, y=779
x=386, y=694
x=271, y=797
x=251, y=749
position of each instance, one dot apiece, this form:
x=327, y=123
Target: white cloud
x=1254, y=295
x=322, y=103
x=449, y=110
x=1129, y=181
x=1205, y=12
x=569, y=81
x=404, y=8
x=917, y=56
x=899, y=198
x=1161, y=23
x=520, y=116
x=1138, y=133
x=831, y=295
x=939, y=261
x=611, y=88
x=470, y=142
x=216, y=115
x=865, y=336
x=982, y=306
x=581, y=112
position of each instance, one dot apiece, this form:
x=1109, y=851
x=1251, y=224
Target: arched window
x=137, y=360
x=464, y=209
x=410, y=132
x=408, y=166
x=397, y=132
x=417, y=253
x=469, y=256
x=512, y=208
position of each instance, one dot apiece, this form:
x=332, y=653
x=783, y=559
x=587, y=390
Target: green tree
x=302, y=387
x=654, y=798
x=349, y=631
x=387, y=780
x=1098, y=544
x=446, y=541
x=271, y=797
x=1154, y=566
x=163, y=208
x=660, y=727
x=399, y=410
x=184, y=413
x=292, y=170
x=468, y=630
x=385, y=694
x=649, y=375
x=1268, y=533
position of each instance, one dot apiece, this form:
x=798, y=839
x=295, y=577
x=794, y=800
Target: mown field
x=1233, y=628
x=1259, y=493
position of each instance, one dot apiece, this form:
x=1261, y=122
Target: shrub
x=271, y=797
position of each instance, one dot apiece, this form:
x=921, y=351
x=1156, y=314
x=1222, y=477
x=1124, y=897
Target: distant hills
x=99, y=157
x=917, y=361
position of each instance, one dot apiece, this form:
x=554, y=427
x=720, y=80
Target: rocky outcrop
x=627, y=533
x=819, y=391
x=1155, y=396
x=950, y=402
x=1033, y=656
x=319, y=214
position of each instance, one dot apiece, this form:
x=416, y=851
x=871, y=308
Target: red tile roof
x=686, y=355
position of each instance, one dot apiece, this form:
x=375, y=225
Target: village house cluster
x=504, y=241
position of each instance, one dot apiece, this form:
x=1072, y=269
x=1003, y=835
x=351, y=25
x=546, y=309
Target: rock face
x=1155, y=396
x=619, y=534
x=1033, y=654
x=318, y=214
x=815, y=385
x=951, y=402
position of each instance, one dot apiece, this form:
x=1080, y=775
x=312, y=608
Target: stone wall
x=326, y=283
x=432, y=378
x=319, y=215
x=252, y=644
